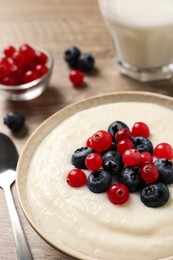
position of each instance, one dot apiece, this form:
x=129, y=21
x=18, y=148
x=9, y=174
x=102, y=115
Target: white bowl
x=42, y=222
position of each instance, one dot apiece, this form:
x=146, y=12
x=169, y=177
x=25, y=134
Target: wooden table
x=55, y=25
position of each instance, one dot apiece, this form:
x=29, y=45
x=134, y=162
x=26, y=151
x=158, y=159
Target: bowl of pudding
x=80, y=223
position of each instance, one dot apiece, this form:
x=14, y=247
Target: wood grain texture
x=55, y=25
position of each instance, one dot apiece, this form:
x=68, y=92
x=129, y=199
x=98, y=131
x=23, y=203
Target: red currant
x=9, y=50
x=89, y=142
x=149, y=172
x=41, y=69
x=163, y=150
x=76, y=77
x=76, y=178
x=8, y=81
x=16, y=73
x=146, y=158
x=19, y=58
x=28, y=52
x=30, y=76
x=41, y=58
x=123, y=133
x=140, y=129
x=124, y=145
x=101, y=140
x=118, y=193
x=93, y=161
x=4, y=68
x=131, y=157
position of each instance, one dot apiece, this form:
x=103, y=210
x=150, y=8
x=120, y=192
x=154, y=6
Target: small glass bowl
x=32, y=89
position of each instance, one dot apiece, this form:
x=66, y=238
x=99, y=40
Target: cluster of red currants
x=22, y=65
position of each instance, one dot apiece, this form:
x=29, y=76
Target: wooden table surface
x=56, y=25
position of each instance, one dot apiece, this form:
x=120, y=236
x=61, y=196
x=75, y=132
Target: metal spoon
x=8, y=162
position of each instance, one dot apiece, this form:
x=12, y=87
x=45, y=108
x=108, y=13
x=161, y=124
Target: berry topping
x=163, y=150
x=86, y=62
x=131, y=177
x=76, y=77
x=14, y=120
x=165, y=169
x=142, y=144
x=79, y=156
x=99, y=181
x=140, y=129
x=76, y=178
x=89, y=142
x=101, y=140
x=124, y=145
x=118, y=155
x=112, y=162
x=155, y=195
x=149, y=172
x=123, y=133
x=93, y=161
x=146, y=158
x=71, y=56
x=115, y=126
x=118, y=193
x=131, y=157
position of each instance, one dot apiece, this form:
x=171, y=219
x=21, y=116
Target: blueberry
x=79, y=156
x=71, y=56
x=99, y=181
x=14, y=120
x=130, y=176
x=142, y=144
x=155, y=195
x=115, y=126
x=112, y=162
x=165, y=169
x=86, y=62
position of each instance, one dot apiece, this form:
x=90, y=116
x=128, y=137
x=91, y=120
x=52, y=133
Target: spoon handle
x=23, y=249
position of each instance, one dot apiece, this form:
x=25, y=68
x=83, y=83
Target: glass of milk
x=142, y=33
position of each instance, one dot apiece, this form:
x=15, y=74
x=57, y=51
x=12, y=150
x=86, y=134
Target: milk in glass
x=142, y=31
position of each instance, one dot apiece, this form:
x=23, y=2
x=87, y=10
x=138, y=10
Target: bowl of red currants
x=24, y=72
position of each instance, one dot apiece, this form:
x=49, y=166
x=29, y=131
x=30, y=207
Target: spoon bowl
x=8, y=154
x=8, y=162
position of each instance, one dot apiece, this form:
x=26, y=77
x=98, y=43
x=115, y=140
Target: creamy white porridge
x=89, y=222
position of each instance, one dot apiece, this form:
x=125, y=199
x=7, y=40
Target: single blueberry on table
x=155, y=195
x=71, y=56
x=86, y=62
x=14, y=121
